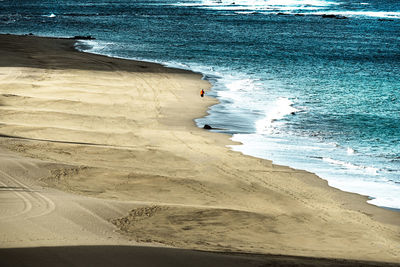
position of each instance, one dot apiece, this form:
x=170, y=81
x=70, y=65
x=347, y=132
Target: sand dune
x=122, y=130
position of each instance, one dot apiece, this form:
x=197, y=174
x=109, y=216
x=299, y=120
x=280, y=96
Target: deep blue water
x=306, y=90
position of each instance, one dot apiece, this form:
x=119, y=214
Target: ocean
x=311, y=84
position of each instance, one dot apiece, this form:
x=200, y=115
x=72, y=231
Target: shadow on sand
x=151, y=256
x=60, y=54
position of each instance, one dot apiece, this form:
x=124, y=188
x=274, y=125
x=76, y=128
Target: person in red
x=202, y=93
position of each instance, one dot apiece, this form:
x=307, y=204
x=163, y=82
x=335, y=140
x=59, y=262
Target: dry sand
x=119, y=135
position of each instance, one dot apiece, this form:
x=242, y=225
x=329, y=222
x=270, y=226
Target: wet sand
x=116, y=138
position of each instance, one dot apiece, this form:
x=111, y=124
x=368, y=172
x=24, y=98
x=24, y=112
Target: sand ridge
x=123, y=130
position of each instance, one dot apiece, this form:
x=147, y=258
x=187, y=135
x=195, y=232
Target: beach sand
x=98, y=151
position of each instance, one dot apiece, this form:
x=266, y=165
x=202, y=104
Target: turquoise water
x=307, y=83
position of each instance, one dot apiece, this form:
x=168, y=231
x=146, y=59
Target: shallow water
x=314, y=92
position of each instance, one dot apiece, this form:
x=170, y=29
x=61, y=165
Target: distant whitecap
x=350, y=151
x=52, y=15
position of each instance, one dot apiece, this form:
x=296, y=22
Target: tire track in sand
x=35, y=203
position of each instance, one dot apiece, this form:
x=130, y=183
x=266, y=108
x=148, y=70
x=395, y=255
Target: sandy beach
x=98, y=151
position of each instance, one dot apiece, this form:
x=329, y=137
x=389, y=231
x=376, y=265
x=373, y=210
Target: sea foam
x=52, y=15
x=371, y=14
x=275, y=112
x=352, y=167
x=268, y=3
x=260, y=5
x=303, y=7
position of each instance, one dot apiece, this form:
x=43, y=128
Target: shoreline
x=237, y=142
x=204, y=77
x=212, y=181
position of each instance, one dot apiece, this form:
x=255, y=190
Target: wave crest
x=277, y=111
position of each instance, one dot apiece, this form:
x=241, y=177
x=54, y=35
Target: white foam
x=242, y=85
x=275, y=112
x=243, y=93
x=95, y=46
x=384, y=194
x=245, y=12
x=350, y=151
x=373, y=14
x=260, y=9
x=254, y=142
x=258, y=5
x=268, y=3
x=352, y=167
x=319, y=6
x=52, y=15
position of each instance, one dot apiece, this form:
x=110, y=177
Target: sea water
x=312, y=84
